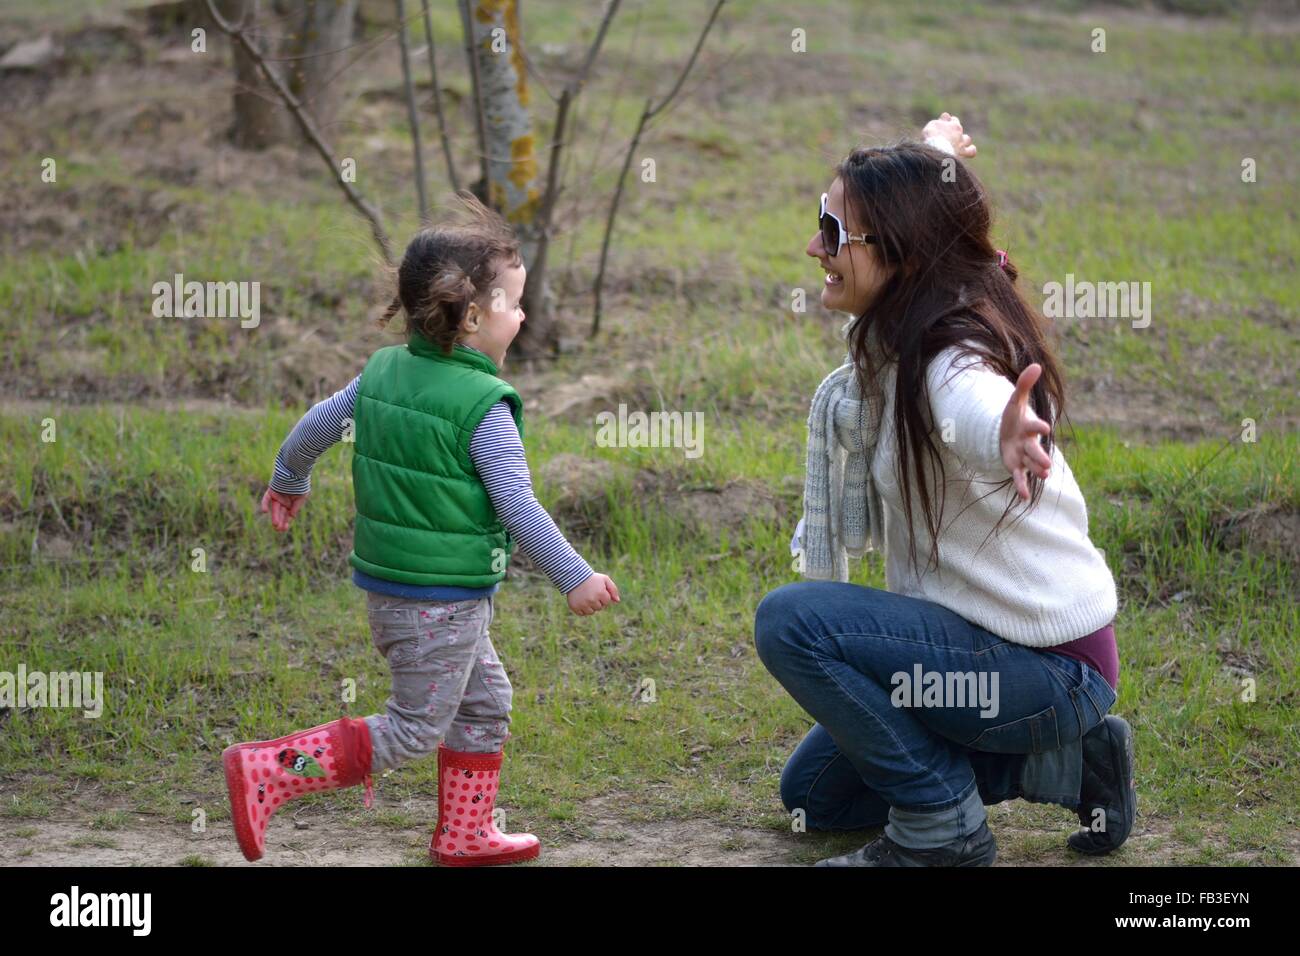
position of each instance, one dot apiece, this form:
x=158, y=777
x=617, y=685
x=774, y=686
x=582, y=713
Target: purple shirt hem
x=1098, y=650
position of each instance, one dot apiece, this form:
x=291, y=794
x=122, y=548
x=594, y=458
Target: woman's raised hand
x=1022, y=452
x=282, y=508
x=948, y=127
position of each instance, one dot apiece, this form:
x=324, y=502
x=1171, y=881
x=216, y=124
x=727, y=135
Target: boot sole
x=238, y=804
x=514, y=856
x=1121, y=754
x=985, y=858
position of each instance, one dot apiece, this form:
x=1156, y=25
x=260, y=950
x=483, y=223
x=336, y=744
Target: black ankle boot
x=1107, y=786
x=978, y=849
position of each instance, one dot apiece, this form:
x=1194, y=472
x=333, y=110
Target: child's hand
x=283, y=508
x=949, y=127
x=592, y=595
x=1019, y=436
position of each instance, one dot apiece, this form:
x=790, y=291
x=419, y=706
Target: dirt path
x=354, y=838
x=343, y=838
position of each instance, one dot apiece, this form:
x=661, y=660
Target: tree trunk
x=514, y=176
x=260, y=118
x=298, y=35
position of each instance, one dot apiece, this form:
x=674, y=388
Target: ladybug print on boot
x=301, y=764
x=262, y=776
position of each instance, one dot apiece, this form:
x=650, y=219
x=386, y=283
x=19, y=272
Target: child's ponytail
x=393, y=308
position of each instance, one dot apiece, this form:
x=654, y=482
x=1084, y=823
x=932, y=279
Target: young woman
x=986, y=670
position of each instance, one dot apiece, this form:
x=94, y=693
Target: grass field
x=1117, y=166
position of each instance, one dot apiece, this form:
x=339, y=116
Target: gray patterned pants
x=447, y=679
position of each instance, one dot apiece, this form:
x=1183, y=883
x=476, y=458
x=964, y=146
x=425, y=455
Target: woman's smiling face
x=855, y=273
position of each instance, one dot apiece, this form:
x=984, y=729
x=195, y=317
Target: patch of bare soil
x=1268, y=529
x=343, y=838
x=608, y=838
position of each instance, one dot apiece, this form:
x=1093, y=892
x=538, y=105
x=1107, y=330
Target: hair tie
x=1002, y=260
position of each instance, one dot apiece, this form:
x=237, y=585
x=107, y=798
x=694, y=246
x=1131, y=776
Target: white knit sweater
x=1037, y=581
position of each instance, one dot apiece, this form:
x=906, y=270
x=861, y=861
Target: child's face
x=853, y=275
x=498, y=313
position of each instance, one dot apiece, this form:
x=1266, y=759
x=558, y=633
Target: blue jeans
x=922, y=716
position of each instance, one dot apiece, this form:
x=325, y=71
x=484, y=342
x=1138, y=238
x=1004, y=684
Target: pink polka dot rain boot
x=264, y=774
x=466, y=835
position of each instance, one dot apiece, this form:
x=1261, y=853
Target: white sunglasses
x=834, y=235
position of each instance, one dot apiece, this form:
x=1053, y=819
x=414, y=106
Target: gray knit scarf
x=842, y=510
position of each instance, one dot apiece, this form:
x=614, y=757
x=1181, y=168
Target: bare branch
x=577, y=208
x=551, y=195
x=411, y=111
x=437, y=99
x=576, y=83
x=537, y=268
x=651, y=110
x=480, y=118
x=613, y=213
x=717, y=7
x=308, y=127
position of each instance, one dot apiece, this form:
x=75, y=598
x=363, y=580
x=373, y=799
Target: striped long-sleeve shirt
x=497, y=452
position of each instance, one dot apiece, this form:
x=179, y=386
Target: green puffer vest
x=423, y=514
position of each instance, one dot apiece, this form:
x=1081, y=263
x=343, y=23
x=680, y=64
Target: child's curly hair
x=447, y=267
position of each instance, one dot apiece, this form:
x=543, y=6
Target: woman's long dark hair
x=933, y=220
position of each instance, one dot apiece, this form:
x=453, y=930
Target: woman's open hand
x=282, y=508
x=948, y=127
x=1022, y=451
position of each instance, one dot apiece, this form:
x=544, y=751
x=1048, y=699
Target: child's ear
x=471, y=321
